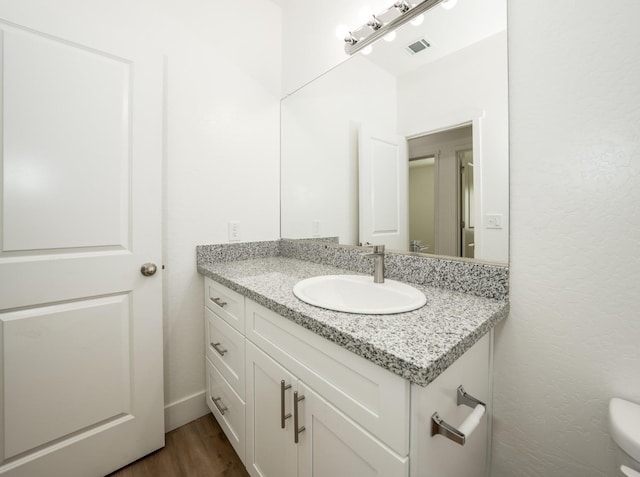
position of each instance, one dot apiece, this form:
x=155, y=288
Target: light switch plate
x=493, y=221
x=315, y=228
x=234, y=231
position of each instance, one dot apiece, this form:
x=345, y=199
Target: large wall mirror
x=407, y=146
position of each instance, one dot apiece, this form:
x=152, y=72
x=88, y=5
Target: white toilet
x=624, y=422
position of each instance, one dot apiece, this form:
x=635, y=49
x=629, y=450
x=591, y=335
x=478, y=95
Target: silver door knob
x=148, y=269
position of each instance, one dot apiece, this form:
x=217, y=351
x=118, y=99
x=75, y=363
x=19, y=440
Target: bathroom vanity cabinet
x=295, y=404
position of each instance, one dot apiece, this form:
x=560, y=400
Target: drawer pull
x=459, y=435
x=221, y=407
x=221, y=351
x=296, y=430
x=218, y=302
x=283, y=416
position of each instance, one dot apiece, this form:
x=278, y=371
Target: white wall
x=573, y=338
x=222, y=161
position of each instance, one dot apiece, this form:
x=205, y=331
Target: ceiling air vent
x=417, y=46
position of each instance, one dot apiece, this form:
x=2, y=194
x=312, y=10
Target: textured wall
x=573, y=338
x=222, y=161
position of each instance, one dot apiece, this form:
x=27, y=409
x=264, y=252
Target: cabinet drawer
x=224, y=302
x=227, y=407
x=375, y=398
x=225, y=349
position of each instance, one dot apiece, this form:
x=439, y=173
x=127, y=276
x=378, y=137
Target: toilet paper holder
x=459, y=435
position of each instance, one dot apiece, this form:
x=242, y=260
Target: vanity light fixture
x=449, y=4
x=417, y=21
x=374, y=23
x=402, y=6
x=350, y=39
x=385, y=22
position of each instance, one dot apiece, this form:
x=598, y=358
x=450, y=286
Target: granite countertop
x=417, y=345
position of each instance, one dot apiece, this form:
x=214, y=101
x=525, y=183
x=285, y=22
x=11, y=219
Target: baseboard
x=185, y=410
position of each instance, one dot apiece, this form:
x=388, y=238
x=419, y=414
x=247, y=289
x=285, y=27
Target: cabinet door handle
x=221, y=407
x=296, y=430
x=221, y=351
x=218, y=302
x=283, y=416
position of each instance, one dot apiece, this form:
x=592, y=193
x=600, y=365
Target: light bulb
x=417, y=21
x=449, y=4
x=367, y=50
x=390, y=36
x=365, y=14
x=342, y=31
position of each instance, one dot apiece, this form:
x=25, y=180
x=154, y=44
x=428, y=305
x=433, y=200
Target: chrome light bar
x=379, y=25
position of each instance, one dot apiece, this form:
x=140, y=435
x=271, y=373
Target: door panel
x=66, y=145
x=81, y=158
x=384, y=194
x=66, y=368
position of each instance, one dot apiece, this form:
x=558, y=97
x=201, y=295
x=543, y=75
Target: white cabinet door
x=356, y=386
x=332, y=445
x=81, y=392
x=438, y=456
x=271, y=451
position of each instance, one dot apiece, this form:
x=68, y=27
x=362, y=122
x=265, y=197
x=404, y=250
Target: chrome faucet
x=416, y=246
x=378, y=264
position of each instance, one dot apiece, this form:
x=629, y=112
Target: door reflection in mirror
x=441, y=217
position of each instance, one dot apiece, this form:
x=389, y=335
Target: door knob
x=148, y=269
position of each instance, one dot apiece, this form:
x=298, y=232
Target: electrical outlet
x=493, y=221
x=315, y=228
x=234, y=231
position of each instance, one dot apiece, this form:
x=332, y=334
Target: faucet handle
x=375, y=249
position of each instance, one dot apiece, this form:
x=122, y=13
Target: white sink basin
x=358, y=294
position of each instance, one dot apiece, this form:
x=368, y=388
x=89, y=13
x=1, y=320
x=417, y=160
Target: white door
x=332, y=445
x=81, y=390
x=271, y=451
x=384, y=190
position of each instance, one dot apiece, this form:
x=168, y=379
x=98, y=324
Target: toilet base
x=628, y=472
x=626, y=461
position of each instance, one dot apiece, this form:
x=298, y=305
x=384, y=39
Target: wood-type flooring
x=197, y=449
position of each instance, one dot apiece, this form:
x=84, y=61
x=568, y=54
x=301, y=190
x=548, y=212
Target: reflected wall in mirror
x=348, y=137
